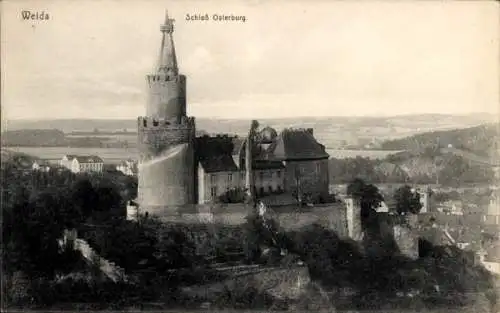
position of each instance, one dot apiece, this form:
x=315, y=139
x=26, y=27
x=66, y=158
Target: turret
x=166, y=136
x=167, y=88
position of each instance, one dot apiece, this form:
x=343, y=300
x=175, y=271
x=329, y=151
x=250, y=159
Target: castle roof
x=220, y=163
x=297, y=144
x=167, y=61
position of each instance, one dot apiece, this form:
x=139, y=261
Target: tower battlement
x=164, y=77
x=145, y=123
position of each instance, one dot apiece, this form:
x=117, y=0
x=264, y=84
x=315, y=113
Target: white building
x=128, y=167
x=82, y=164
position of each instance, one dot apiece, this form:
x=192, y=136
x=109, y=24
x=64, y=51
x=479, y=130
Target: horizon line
x=257, y=118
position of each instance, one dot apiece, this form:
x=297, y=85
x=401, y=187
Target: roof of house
x=88, y=159
x=289, y=145
x=220, y=163
x=70, y=156
x=297, y=144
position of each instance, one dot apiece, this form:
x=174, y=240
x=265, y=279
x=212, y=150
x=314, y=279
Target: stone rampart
x=158, y=135
x=167, y=179
x=331, y=216
x=110, y=269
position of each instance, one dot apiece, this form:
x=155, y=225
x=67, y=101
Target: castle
x=180, y=175
x=178, y=169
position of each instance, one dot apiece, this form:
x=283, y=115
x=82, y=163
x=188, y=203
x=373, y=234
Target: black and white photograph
x=250, y=156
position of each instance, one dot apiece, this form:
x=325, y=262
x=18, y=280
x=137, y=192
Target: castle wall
x=167, y=96
x=156, y=135
x=312, y=174
x=167, y=179
x=331, y=216
x=353, y=218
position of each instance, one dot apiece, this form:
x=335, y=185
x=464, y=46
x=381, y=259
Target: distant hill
x=17, y=159
x=333, y=132
x=482, y=140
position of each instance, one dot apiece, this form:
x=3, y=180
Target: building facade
x=293, y=161
x=128, y=167
x=82, y=163
x=166, y=170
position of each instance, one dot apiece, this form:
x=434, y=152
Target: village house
x=492, y=216
x=82, y=163
x=128, y=167
x=41, y=165
x=454, y=207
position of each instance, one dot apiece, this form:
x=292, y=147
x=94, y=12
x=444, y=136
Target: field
x=115, y=155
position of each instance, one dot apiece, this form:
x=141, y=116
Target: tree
x=407, y=201
x=369, y=198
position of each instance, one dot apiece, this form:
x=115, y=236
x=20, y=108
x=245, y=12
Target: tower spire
x=167, y=61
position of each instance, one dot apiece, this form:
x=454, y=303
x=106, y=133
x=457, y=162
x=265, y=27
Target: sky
x=288, y=59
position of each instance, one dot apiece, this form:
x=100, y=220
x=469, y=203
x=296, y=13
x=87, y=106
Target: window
x=278, y=173
x=212, y=179
x=261, y=176
x=318, y=167
x=213, y=192
x=230, y=178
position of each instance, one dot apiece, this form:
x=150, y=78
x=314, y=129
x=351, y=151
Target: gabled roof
x=297, y=144
x=88, y=159
x=221, y=163
x=289, y=145
x=70, y=157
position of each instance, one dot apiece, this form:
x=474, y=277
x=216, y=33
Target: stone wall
x=156, y=135
x=168, y=179
x=110, y=269
x=333, y=216
x=167, y=95
x=312, y=175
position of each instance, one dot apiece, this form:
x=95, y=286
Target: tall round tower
x=166, y=136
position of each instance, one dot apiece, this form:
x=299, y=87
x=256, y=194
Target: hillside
x=482, y=140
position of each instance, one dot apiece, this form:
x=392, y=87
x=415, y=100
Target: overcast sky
x=294, y=58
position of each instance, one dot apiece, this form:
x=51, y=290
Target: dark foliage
x=407, y=201
x=369, y=198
